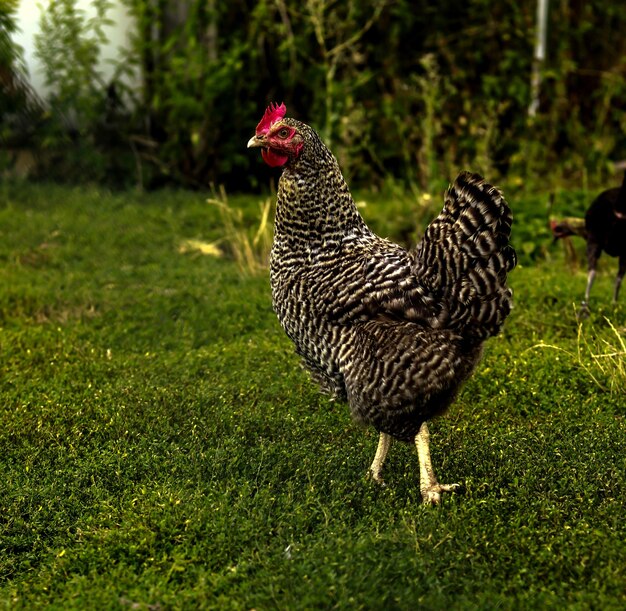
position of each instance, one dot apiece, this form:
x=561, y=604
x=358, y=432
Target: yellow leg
x=376, y=467
x=430, y=488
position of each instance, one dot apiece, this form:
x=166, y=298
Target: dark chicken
x=395, y=333
x=604, y=228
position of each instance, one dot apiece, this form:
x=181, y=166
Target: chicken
x=392, y=332
x=604, y=228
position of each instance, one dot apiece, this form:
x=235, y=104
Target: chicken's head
x=567, y=227
x=278, y=138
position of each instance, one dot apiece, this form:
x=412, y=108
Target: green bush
x=18, y=103
x=84, y=135
x=403, y=90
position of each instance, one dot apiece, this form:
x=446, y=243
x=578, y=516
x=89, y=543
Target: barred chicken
x=395, y=333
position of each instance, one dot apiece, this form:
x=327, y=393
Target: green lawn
x=160, y=448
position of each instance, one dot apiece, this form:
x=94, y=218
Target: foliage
x=402, y=91
x=194, y=86
x=10, y=53
x=68, y=46
x=83, y=135
x=18, y=103
x=163, y=449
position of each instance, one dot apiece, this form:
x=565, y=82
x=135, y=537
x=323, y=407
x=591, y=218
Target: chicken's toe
x=431, y=495
x=584, y=311
x=377, y=477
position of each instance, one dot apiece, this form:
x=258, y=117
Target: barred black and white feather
x=393, y=332
x=465, y=256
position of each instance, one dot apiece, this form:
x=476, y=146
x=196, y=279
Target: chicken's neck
x=314, y=206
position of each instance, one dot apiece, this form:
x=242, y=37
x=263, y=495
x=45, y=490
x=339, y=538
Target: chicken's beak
x=255, y=141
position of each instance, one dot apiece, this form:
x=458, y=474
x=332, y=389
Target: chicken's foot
x=430, y=488
x=376, y=468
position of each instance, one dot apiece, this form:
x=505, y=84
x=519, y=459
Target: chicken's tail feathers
x=465, y=256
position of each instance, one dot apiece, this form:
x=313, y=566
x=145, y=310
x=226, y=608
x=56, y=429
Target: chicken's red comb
x=273, y=113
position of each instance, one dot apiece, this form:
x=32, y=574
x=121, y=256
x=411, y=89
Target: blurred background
x=146, y=93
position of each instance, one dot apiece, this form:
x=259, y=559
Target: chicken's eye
x=283, y=133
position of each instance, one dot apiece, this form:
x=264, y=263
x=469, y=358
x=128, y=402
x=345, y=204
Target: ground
x=162, y=449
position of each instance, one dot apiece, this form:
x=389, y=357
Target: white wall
x=28, y=15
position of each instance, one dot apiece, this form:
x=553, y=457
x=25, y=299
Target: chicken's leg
x=584, y=306
x=591, y=276
x=376, y=467
x=430, y=488
x=620, y=275
x=593, y=254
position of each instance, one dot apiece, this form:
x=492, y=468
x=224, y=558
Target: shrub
x=400, y=90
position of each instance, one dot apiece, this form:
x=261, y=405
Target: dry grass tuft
x=248, y=246
x=601, y=355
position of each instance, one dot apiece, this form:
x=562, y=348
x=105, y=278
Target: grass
x=162, y=449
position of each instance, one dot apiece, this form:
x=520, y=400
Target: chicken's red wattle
x=273, y=159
